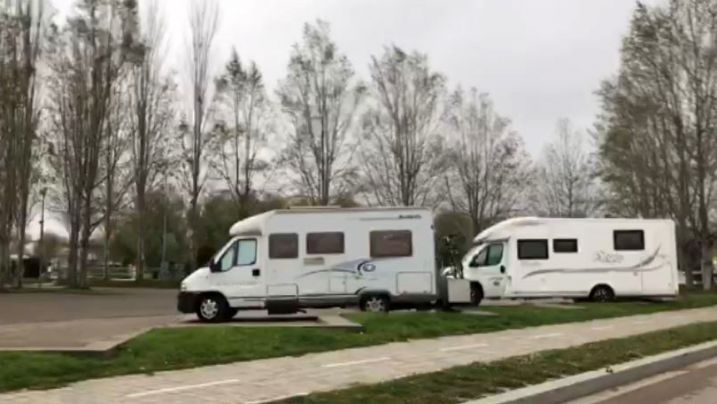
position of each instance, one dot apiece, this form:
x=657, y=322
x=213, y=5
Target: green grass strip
x=460, y=384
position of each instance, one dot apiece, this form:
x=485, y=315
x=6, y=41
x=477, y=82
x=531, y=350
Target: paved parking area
x=33, y=307
x=257, y=381
x=98, y=321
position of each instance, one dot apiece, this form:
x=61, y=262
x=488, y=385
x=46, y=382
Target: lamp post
x=43, y=192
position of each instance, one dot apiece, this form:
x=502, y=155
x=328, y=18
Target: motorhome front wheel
x=212, y=308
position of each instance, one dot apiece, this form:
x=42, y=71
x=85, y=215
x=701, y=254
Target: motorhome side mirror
x=213, y=266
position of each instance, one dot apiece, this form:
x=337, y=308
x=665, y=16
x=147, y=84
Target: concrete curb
x=585, y=384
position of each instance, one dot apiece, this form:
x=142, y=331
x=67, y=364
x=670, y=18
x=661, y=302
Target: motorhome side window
x=391, y=243
x=246, y=252
x=325, y=243
x=536, y=249
x=283, y=245
x=628, y=240
x=565, y=245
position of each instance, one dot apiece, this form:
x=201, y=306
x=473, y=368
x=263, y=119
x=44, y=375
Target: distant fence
x=118, y=272
x=127, y=273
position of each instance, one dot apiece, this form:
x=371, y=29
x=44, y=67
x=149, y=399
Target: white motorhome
x=284, y=260
x=598, y=259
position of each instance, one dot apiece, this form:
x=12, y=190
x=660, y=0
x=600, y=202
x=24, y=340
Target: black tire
x=231, y=313
x=476, y=294
x=374, y=304
x=212, y=308
x=602, y=294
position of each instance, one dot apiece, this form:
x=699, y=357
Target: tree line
x=128, y=149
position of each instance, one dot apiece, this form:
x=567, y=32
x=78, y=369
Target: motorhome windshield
x=220, y=252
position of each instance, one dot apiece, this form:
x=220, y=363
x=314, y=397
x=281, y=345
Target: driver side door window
x=488, y=257
x=229, y=258
x=479, y=259
x=495, y=255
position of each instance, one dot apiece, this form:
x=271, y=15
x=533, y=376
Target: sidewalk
x=271, y=379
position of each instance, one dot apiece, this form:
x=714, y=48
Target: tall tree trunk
x=707, y=263
x=140, y=236
x=85, y=235
x=72, y=257
x=21, y=247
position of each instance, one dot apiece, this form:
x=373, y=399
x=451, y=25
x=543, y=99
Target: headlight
x=182, y=286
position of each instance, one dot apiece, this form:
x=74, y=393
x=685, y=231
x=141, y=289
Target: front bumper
x=187, y=302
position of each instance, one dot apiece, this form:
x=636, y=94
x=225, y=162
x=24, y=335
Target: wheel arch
x=602, y=285
x=374, y=292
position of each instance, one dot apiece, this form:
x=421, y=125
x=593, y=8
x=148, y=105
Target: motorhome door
x=489, y=269
x=244, y=276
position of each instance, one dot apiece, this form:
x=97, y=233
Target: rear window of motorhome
x=533, y=249
x=628, y=240
x=325, y=243
x=283, y=245
x=565, y=245
x=391, y=243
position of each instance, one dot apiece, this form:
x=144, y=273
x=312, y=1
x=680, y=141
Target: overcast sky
x=540, y=60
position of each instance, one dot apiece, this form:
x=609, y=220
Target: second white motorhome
x=600, y=259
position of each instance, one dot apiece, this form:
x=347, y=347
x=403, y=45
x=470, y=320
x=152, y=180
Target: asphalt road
x=695, y=384
x=103, y=303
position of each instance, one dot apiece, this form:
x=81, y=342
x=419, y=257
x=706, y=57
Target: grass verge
x=166, y=349
x=460, y=384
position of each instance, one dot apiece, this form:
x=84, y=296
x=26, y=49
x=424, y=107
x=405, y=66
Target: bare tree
x=658, y=126
x=320, y=98
x=246, y=116
x=151, y=116
x=21, y=25
x=194, y=136
x=115, y=165
x=87, y=59
x=566, y=182
x=401, y=150
x=489, y=167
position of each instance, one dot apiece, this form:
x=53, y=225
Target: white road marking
x=542, y=336
x=604, y=327
x=340, y=364
x=180, y=388
x=277, y=398
x=704, y=364
x=461, y=347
